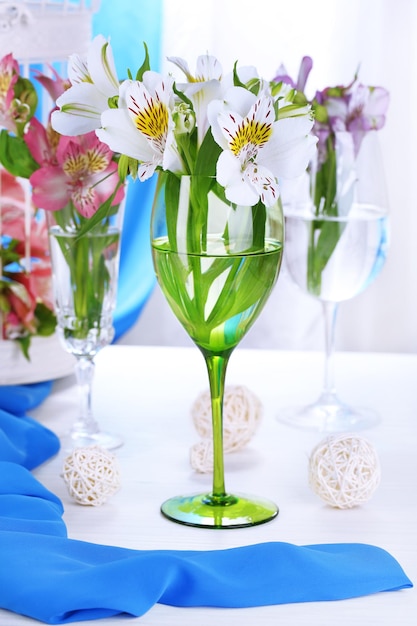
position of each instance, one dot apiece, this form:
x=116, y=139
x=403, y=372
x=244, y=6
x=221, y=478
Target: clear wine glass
x=216, y=264
x=333, y=258
x=84, y=278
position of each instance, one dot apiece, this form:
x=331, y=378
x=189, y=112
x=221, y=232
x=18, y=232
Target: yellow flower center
x=97, y=161
x=250, y=133
x=4, y=83
x=152, y=121
x=75, y=165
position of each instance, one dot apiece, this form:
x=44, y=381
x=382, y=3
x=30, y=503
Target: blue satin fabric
x=52, y=578
x=22, y=439
x=136, y=275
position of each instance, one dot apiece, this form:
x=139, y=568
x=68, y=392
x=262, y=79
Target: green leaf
x=145, y=65
x=133, y=168
x=104, y=211
x=4, y=301
x=113, y=102
x=25, y=91
x=46, y=320
x=181, y=95
x=15, y=156
x=207, y=157
x=236, y=80
x=127, y=165
x=320, y=113
x=123, y=166
x=24, y=344
x=171, y=185
x=26, y=102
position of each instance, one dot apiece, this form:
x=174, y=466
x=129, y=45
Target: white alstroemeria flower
x=142, y=127
x=202, y=88
x=257, y=149
x=93, y=82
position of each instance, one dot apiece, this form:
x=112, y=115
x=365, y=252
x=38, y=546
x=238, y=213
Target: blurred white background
x=380, y=38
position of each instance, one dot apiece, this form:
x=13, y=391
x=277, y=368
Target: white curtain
x=380, y=38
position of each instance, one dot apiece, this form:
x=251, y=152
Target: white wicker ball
x=344, y=470
x=91, y=475
x=242, y=412
x=201, y=456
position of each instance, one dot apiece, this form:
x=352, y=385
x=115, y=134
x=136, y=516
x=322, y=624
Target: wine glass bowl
x=361, y=245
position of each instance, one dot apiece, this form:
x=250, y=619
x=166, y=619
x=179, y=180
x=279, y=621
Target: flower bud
x=184, y=119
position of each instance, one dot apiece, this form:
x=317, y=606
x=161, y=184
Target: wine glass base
x=231, y=511
x=105, y=440
x=329, y=417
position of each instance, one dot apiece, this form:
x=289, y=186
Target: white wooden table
x=145, y=393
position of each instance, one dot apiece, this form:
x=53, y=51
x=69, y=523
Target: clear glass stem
x=84, y=371
x=330, y=314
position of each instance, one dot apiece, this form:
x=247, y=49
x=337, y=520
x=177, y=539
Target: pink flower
x=54, y=85
x=23, y=293
x=9, y=73
x=22, y=302
x=83, y=172
x=13, y=209
x=42, y=142
x=11, y=189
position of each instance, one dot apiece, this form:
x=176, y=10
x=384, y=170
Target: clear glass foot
x=230, y=511
x=330, y=415
x=105, y=440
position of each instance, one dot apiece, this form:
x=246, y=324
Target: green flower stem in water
x=216, y=298
x=323, y=237
x=324, y=233
x=85, y=259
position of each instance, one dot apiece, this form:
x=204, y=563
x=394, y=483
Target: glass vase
x=85, y=266
x=216, y=264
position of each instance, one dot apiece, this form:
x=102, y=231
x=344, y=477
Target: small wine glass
x=84, y=278
x=333, y=258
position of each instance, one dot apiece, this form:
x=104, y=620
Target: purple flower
x=357, y=109
x=303, y=73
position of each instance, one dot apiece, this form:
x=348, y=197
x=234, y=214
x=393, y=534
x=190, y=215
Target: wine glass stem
x=330, y=314
x=216, y=366
x=84, y=371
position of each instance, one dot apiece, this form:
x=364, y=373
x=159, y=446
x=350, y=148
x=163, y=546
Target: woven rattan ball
x=91, y=475
x=201, y=456
x=344, y=470
x=242, y=412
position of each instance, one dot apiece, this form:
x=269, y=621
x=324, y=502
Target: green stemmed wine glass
x=216, y=263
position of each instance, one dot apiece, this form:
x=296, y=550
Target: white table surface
x=145, y=393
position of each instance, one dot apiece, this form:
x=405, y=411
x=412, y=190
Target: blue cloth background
x=129, y=24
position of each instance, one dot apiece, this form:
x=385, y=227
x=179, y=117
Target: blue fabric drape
x=129, y=24
x=24, y=441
